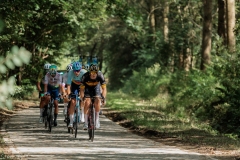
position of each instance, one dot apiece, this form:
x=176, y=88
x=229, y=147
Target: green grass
x=148, y=115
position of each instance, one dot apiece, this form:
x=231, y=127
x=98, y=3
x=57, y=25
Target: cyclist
x=64, y=88
x=93, y=84
x=40, y=88
x=52, y=86
x=73, y=83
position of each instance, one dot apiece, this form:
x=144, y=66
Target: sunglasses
x=93, y=72
x=76, y=70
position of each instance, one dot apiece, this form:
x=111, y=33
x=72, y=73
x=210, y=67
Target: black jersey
x=88, y=82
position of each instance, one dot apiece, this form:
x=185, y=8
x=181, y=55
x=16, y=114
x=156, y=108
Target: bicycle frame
x=76, y=119
x=91, y=119
x=77, y=113
x=49, y=114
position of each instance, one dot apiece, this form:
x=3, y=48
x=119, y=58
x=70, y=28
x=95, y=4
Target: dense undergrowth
x=210, y=96
x=151, y=116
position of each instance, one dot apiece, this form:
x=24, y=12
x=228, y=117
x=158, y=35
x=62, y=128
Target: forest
x=180, y=54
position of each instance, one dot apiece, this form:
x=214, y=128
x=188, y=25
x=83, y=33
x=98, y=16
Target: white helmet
x=69, y=67
x=47, y=65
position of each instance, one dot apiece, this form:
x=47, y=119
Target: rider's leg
x=41, y=106
x=82, y=111
x=65, y=103
x=55, y=93
x=71, y=111
x=87, y=103
x=55, y=112
x=97, y=104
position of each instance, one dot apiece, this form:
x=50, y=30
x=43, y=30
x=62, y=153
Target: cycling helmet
x=93, y=67
x=69, y=67
x=47, y=65
x=86, y=66
x=76, y=66
x=53, y=69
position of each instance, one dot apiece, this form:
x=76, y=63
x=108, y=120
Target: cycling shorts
x=92, y=91
x=54, y=91
x=74, y=87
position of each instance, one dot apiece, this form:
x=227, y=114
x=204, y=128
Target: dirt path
x=28, y=139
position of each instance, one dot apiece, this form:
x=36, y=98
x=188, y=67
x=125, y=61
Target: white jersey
x=53, y=81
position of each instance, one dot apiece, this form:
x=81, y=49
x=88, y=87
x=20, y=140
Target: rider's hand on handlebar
x=103, y=100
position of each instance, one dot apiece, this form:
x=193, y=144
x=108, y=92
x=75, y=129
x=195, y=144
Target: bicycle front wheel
x=50, y=119
x=91, y=123
x=45, y=122
x=76, y=122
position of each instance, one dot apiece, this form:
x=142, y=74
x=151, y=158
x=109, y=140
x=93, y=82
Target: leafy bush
x=145, y=83
x=15, y=57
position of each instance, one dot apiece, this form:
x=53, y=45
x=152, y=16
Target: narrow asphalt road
x=27, y=139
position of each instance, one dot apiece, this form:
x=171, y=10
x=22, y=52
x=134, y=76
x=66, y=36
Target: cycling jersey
x=75, y=81
x=71, y=77
x=53, y=81
x=53, y=84
x=92, y=86
x=88, y=82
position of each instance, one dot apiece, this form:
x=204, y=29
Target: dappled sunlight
x=31, y=139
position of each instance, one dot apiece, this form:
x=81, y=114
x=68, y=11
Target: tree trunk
x=230, y=25
x=152, y=18
x=165, y=20
x=221, y=20
x=206, y=34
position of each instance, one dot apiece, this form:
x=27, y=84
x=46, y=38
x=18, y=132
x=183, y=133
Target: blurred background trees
x=187, y=50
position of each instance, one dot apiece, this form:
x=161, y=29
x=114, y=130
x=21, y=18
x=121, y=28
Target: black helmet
x=93, y=67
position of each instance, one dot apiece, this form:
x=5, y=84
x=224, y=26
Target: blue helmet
x=76, y=66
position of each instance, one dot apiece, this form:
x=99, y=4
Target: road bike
x=48, y=114
x=76, y=119
x=91, y=119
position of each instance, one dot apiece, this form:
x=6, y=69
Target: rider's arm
x=45, y=83
x=68, y=89
x=59, y=83
x=82, y=86
x=39, y=81
x=38, y=86
x=103, y=84
x=45, y=88
x=104, y=90
x=69, y=81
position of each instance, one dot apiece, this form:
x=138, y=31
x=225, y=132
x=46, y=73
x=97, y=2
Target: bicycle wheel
x=50, y=118
x=91, y=123
x=45, y=121
x=76, y=122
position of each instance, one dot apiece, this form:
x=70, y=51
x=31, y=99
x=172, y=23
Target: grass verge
x=150, y=120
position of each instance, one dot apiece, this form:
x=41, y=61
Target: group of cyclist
x=87, y=80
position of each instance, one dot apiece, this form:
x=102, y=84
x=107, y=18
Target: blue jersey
x=71, y=77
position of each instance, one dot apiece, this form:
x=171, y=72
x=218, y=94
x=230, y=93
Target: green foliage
x=145, y=83
x=4, y=156
x=17, y=57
